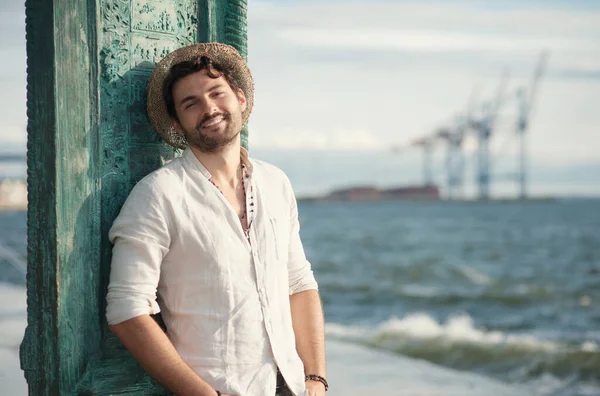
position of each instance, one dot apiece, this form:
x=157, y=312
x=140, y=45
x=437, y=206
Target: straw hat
x=225, y=55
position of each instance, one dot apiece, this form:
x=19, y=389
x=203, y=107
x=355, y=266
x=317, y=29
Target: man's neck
x=223, y=165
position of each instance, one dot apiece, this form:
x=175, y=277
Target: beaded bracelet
x=315, y=377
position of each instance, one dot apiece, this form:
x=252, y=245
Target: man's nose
x=210, y=107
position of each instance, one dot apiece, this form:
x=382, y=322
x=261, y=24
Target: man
x=214, y=237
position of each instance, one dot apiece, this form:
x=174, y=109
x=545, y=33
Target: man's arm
x=153, y=350
x=141, y=239
x=308, y=323
x=305, y=305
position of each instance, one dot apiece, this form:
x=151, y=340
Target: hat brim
x=223, y=54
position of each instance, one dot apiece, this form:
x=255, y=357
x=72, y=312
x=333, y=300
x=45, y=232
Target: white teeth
x=214, y=122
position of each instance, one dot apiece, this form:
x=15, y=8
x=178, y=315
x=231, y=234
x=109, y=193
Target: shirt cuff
x=308, y=282
x=119, y=309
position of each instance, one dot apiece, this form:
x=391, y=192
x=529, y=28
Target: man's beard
x=212, y=144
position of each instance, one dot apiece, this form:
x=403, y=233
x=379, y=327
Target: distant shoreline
x=414, y=193
x=13, y=196
x=309, y=199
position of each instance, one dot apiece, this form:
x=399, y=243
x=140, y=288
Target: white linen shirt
x=224, y=301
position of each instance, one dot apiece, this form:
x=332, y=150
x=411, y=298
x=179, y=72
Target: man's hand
x=315, y=388
x=153, y=350
x=222, y=394
x=308, y=323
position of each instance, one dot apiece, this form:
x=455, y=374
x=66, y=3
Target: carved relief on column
x=236, y=30
x=135, y=35
x=114, y=63
x=236, y=35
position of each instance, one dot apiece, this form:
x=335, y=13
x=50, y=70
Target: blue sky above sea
x=338, y=83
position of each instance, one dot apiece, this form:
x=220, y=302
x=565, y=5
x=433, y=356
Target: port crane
x=481, y=122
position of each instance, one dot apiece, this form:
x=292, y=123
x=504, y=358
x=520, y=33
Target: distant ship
x=370, y=193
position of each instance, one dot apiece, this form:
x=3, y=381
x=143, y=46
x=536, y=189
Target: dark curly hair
x=184, y=69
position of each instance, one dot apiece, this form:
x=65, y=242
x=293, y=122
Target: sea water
x=507, y=290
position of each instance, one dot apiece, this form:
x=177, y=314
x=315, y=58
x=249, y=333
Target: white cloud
x=293, y=138
x=356, y=39
x=449, y=16
x=511, y=34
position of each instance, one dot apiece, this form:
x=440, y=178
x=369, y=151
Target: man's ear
x=242, y=99
x=177, y=126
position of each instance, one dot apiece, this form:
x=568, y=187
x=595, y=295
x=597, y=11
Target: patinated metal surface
x=63, y=220
x=134, y=35
x=89, y=142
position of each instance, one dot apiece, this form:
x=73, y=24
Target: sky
x=341, y=83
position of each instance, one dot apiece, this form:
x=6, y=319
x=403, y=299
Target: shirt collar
x=245, y=157
x=190, y=158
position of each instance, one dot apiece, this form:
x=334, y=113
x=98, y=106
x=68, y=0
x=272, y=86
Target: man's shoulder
x=273, y=181
x=163, y=179
x=270, y=171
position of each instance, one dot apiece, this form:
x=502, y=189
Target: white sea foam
x=457, y=329
x=589, y=346
x=457, y=342
x=354, y=370
x=13, y=319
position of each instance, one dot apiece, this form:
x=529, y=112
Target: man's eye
x=190, y=105
x=219, y=94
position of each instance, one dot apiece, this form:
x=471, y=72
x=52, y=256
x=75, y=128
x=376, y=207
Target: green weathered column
x=89, y=142
x=225, y=22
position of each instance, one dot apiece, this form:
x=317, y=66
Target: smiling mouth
x=213, y=122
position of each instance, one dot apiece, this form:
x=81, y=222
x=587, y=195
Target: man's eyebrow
x=192, y=97
x=187, y=99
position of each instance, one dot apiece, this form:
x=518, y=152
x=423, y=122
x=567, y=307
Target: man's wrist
x=317, y=378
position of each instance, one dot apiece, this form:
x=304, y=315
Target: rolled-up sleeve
x=301, y=276
x=140, y=236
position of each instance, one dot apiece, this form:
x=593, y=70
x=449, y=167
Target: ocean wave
x=458, y=344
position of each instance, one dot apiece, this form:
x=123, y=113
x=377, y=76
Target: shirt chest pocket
x=281, y=234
